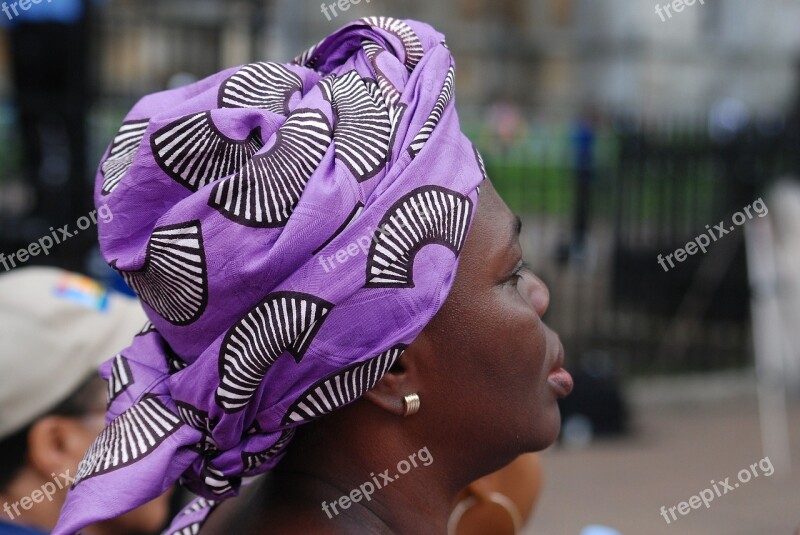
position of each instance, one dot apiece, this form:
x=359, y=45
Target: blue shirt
x=7, y=528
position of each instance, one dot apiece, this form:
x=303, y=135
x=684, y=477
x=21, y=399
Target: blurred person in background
x=55, y=329
x=506, y=123
x=583, y=141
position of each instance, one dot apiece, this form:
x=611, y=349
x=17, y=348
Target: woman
x=294, y=232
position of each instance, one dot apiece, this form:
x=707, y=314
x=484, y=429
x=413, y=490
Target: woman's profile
x=336, y=296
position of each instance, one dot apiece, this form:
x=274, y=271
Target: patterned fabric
x=289, y=229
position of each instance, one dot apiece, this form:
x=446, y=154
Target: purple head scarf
x=289, y=229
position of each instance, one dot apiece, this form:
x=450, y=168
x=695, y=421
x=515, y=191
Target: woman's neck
x=358, y=470
x=360, y=502
x=384, y=485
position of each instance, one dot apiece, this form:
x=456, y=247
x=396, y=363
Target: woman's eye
x=516, y=275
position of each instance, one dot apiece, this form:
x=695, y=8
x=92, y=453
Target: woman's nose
x=538, y=293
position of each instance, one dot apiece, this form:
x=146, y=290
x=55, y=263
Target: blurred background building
x=616, y=134
x=619, y=135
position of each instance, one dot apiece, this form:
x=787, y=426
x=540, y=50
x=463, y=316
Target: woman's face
x=496, y=373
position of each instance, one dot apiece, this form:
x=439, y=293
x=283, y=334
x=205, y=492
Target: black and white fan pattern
x=481, y=166
x=201, y=421
x=120, y=379
x=436, y=115
x=174, y=362
x=131, y=436
x=120, y=157
x=383, y=88
x=412, y=46
x=251, y=461
x=413, y=54
x=284, y=321
x=173, y=280
x=198, y=505
x=218, y=482
x=390, y=93
x=266, y=190
x=341, y=388
x=194, y=153
x=427, y=215
x=411, y=43
x=146, y=329
x=264, y=85
x=309, y=57
x=363, y=128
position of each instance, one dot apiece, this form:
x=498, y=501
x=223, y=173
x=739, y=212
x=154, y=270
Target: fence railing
x=651, y=192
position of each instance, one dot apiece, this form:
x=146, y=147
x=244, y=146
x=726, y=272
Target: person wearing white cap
x=56, y=328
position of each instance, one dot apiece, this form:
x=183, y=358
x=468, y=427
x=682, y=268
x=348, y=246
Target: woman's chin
x=545, y=431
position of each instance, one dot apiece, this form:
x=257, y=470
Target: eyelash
x=516, y=274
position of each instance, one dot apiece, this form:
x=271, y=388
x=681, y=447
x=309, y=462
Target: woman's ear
x=402, y=379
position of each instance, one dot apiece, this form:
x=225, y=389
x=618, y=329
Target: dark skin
x=481, y=370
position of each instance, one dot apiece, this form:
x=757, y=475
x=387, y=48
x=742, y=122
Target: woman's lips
x=559, y=379
x=561, y=382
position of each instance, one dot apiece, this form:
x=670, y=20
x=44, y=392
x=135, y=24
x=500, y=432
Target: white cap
x=56, y=328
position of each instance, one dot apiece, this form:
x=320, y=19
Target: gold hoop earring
x=494, y=497
x=410, y=404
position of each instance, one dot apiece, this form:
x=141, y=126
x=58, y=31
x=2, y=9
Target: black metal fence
x=654, y=189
